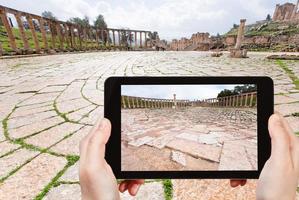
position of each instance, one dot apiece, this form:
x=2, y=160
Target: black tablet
x=188, y=127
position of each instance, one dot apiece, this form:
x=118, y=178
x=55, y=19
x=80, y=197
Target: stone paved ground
x=48, y=103
x=192, y=138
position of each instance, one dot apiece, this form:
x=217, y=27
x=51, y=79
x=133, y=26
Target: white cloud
x=171, y=18
x=186, y=92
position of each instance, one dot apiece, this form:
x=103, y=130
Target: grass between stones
x=295, y=114
x=289, y=72
x=168, y=189
x=72, y=159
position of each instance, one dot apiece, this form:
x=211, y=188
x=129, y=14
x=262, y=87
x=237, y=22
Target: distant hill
x=270, y=35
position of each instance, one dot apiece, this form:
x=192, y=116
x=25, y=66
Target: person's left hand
x=97, y=180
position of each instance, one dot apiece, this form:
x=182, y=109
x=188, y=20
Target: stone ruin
x=286, y=12
x=59, y=36
x=238, y=52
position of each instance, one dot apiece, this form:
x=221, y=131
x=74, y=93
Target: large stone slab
x=212, y=189
x=208, y=152
x=141, y=141
x=64, y=192
x=30, y=119
x=6, y=147
x=14, y=160
x=53, y=135
x=235, y=156
x=32, y=178
x=287, y=109
x=71, y=145
x=34, y=127
x=71, y=174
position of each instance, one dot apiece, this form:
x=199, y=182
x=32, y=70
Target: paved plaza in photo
x=49, y=103
x=190, y=138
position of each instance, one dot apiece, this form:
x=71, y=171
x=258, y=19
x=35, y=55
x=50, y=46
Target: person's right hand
x=279, y=177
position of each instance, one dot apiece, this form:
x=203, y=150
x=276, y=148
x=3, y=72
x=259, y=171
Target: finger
x=123, y=186
x=280, y=141
x=294, y=143
x=235, y=183
x=84, y=142
x=96, y=143
x=133, y=188
x=243, y=182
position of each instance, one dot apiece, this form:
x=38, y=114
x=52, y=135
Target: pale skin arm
x=97, y=180
x=279, y=177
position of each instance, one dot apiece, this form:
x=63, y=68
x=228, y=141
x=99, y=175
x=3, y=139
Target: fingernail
x=135, y=188
x=103, y=123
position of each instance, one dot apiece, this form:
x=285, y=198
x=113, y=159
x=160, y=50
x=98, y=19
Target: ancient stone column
x=102, y=36
x=174, y=101
x=140, y=39
x=32, y=28
x=97, y=38
x=135, y=45
x=79, y=32
x=251, y=100
x=41, y=22
x=11, y=37
x=240, y=34
x=113, y=38
x=145, y=41
x=123, y=102
x=108, y=36
x=130, y=38
x=72, y=39
x=59, y=33
x=119, y=41
x=22, y=32
x=66, y=34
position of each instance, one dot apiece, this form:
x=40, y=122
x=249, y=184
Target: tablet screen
x=200, y=127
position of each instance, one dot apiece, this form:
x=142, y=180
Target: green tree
x=235, y=26
x=49, y=15
x=126, y=37
x=268, y=18
x=226, y=92
x=238, y=90
x=100, y=22
x=82, y=22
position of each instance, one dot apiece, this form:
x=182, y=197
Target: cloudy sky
x=171, y=18
x=187, y=92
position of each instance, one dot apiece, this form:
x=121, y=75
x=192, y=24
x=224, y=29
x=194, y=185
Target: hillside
x=269, y=35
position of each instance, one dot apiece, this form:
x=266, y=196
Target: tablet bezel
x=112, y=111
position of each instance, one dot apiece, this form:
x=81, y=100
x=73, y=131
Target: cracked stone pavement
x=48, y=103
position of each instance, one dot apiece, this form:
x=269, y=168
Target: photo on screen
x=203, y=127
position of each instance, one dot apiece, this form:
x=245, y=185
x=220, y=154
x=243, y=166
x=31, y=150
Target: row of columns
x=242, y=100
x=63, y=36
x=139, y=102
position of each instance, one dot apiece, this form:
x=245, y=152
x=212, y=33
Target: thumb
x=99, y=138
x=280, y=140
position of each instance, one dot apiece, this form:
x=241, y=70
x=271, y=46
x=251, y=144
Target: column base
x=238, y=53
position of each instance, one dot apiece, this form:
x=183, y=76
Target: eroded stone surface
x=64, y=192
x=212, y=190
x=71, y=174
x=6, y=147
x=73, y=84
x=32, y=178
x=193, y=134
